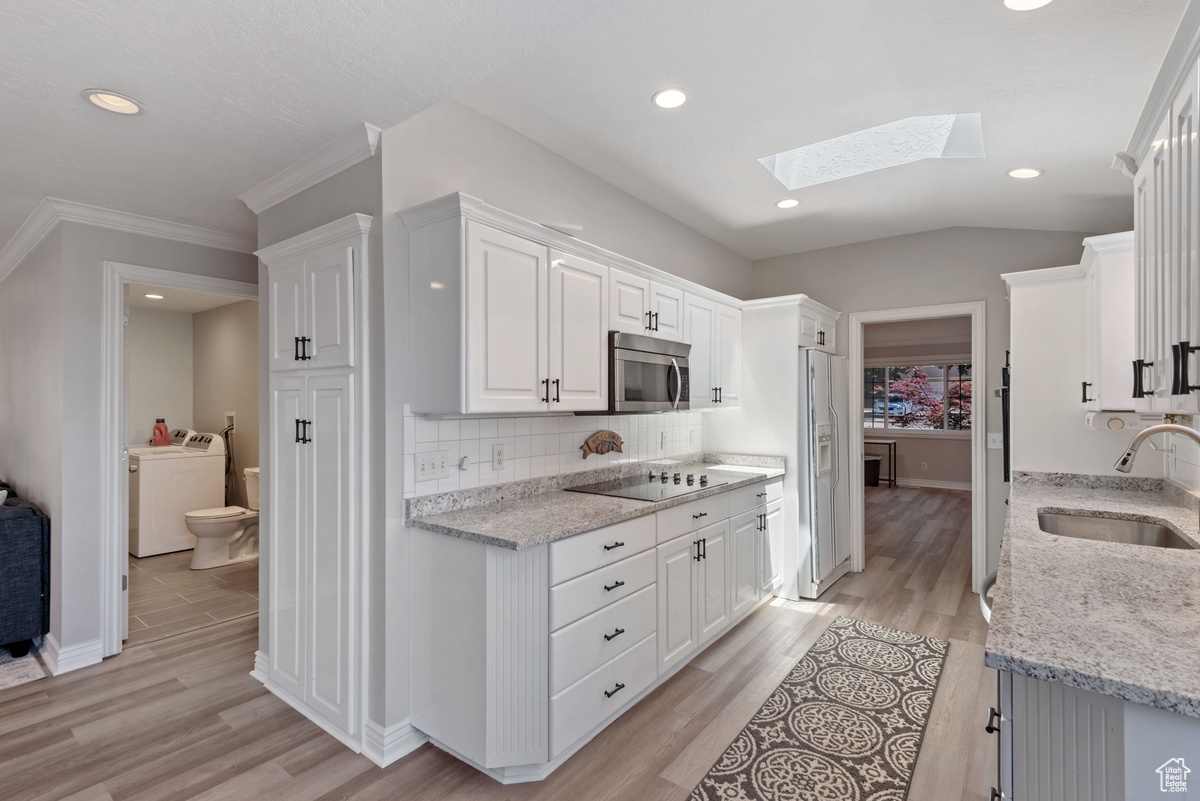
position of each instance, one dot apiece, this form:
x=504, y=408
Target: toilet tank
x=251, y=478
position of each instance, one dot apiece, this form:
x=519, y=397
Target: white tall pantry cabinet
x=314, y=495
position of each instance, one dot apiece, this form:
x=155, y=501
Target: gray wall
x=952, y=265
x=158, y=351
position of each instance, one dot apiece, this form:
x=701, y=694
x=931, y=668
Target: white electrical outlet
x=995, y=441
x=498, y=457
x=433, y=465
x=230, y=418
x=924, y=465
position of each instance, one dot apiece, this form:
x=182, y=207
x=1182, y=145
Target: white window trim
x=922, y=433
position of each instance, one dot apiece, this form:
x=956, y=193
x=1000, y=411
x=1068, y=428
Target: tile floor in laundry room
x=167, y=597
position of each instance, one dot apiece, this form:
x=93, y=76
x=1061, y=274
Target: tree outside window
x=924, y=397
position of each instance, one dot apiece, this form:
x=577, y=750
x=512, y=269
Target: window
x=929, y=397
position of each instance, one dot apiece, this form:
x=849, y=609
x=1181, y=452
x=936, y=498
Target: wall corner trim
x=61, y=660
x=338, y=155
x=51, y=211
x=383, y=745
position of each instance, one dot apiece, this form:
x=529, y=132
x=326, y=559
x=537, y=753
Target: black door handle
x=304, y=347
x=557, y=399
x=656, y=321
x=1137, y=379
x=1086, y=399
x=614, y=546
x=1186, y=349
x=546, y=386
x=613, y=586
x=720, y=394
x=996, y=795
x=297, y=349
x=298, y=422
x=307, y=438
x=820, y=337
x=302, y=431
x=649, y=321
x=614, y=635
x=993, y=724
x=704, y=547
x=614, y=690
x=698, y=556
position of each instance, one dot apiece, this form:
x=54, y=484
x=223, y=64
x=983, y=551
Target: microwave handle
x=678, y=384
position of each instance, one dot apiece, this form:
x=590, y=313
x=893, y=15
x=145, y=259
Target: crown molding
x=1177, y=66
x=336, y=156
x=1108, y=242
x=336, y=231
x=1050, y=275
x=51, y=211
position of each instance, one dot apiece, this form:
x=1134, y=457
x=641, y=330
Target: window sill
x=914, y=433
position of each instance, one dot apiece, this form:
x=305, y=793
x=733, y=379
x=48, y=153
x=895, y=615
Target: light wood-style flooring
x=167, y=597
x=182, y=719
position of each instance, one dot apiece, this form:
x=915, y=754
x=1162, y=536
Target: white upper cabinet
x=666, y=306
x=638, y=305
x=818, y=326
x=714, y=331
x=727, y=347
x=579, y=299
x=1108, y=287
x=506, y=322
x=311, y=308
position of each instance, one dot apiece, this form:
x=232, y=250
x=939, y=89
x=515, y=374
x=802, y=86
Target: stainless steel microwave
x=647, y=374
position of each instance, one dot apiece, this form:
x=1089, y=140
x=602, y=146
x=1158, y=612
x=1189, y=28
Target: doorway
x=121, y=573
x=906, y=408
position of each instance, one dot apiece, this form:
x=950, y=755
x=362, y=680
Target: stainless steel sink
x=1106, y=529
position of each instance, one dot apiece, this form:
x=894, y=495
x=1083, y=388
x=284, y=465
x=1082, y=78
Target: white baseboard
x=930, y=483
x=384, y=745
x=62, y=660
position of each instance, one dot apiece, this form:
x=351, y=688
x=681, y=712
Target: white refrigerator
x=794, y=404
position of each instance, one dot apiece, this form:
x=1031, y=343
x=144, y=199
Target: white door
x=698, y=324
x=578, y=335
x=330, y=491
x=288, y=558
x=677, y=579
x=507, y=362
x=770, y=544
x=713, y=606
x=727, y=348
x=629, y=303
x=286, y=302
x=331, y=308
x=666, y=306
x=745, y=531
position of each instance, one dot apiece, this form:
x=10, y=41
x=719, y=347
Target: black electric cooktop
x=651, y=487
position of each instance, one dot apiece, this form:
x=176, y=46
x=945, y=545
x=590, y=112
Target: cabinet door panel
x=629, y=303
x=743, y=562
x=810, y=326
x=676, y=593
x=578, y=336
x=331, y=575
x=286, y=298
x=506, y=322
x=698, y=322
x=728, y=352
x=713, y=606
x=1186, y=268
x=331, y=305
x=667, y=304
x=287, y=556
x=771, y=544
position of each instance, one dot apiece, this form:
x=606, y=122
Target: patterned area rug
x=19, y=671
x=846, y=723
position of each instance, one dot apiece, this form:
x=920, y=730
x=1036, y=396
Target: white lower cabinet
x=770, y=574
x=536, y=650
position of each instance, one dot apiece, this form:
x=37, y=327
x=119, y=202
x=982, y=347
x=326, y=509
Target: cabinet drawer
x=581, y=596
x=586, y=644
x=743, y=499
x=580, y=708
x=679, y=520
x=583, y=553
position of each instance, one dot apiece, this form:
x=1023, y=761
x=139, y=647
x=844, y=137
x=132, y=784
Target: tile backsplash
x=539, y=446
x=1183, y=464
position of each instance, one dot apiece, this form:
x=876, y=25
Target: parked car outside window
x=896, y=406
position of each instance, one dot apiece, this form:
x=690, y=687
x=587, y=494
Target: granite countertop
x=1116, y=619
x=519, y=517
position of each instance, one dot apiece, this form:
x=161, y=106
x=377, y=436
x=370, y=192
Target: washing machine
x=169, y=481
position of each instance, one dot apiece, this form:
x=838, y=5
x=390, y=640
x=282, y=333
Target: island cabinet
x=1060, y=743
x=536, y=650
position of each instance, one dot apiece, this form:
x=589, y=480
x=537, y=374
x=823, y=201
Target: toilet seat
x=215, y=513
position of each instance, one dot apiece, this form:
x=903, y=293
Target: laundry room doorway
x=180, y=367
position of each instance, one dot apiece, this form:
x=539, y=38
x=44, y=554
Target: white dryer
x=167, y=482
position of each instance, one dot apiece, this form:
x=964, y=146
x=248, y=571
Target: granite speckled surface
x=520, y=517
x=1116, y=619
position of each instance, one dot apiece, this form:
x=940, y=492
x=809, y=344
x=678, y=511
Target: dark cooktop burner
x=651, y=487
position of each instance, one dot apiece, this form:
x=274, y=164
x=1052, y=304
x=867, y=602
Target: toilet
x=226, y=534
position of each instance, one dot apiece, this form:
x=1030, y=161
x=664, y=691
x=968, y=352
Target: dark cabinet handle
x=1086, y=399
x=614, y=635
x=302, y=431
x=557, y=399
x=993, y=724
x=649, y=321
x=613, y=586
x=1175, y=370
x=703, y=548
x=304, y=348
x=1186, y=349
x=760, y=495
x=762, y=522
x=298, y=422
x=820, y=337
x=1139, y=386
x=297, y=349
x=996, y=795
x=702, y=514
x=720, y=394
x=614, y=546
x=656, y=321
x=614, y=690
x=546, y=386
x=698, y=556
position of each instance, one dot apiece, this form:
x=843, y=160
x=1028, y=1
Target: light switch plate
x=995, y=441
x=433, y=465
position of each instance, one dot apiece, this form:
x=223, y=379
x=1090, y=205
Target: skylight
x=946, y=136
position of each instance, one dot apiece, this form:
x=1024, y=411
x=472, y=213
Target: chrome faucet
x=1125, y=463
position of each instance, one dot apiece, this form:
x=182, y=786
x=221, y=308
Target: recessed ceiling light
x=155, y=297
x=669, y=98
x=1024, y=172
x=788, y=203
x=113, y=101
x=1025, y=5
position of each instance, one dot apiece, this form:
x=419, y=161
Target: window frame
x=945, y=362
